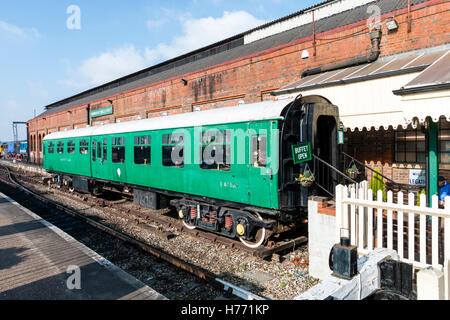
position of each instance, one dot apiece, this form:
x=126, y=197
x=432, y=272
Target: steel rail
x=199, y=272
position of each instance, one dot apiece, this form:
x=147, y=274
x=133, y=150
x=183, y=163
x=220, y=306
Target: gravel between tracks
x=282, y=280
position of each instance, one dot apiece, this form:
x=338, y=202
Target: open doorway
x=326, y=149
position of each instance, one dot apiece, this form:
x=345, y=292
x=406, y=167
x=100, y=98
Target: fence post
x=435, y=233
x=423, y=231
x=390, y=224
x=411, y=231
x=354, y=234
x=447, y=231
x=380, y=220
x=370, y=222
x=400, y=226
x=361, y=224
x=339, y=205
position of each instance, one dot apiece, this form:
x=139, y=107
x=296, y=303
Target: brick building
x=270, y=62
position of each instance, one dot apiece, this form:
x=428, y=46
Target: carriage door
x=118, y=167
x=260, y=176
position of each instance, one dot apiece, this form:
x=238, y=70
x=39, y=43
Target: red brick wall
x=251, y=78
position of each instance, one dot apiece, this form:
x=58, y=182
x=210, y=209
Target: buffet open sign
x=302, y=153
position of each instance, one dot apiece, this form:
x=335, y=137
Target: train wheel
x=260, y=237
x=181, y=216
x=189, y=226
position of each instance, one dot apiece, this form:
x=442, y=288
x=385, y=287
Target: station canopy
x=428, y=95
x=365, y=93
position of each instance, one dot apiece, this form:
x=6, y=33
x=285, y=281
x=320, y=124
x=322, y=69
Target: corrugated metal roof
x=231, y=49
x=397, y=64
x=435, y=77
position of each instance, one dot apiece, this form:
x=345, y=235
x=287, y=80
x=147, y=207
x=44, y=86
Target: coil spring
x=228, y=222
x=194, y=213
x=213, y=217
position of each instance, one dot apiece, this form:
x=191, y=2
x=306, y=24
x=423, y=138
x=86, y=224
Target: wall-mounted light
x=241, y=102
x=184, y=81
x=305, y=54
x=165, y=114
x=197, y=109
x=392, y=25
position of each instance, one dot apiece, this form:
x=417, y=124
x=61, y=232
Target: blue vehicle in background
x=14, y=150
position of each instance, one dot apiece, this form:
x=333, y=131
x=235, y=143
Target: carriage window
x=215, y=150
x=99, y=150
x=71, y=147
x=259, y=152
x=118, y=150
x=173, y=150
x=105, y=149
x=51, y=147
x=94, y=150
x=60, y=148
x=84, y=146
x=142, y=150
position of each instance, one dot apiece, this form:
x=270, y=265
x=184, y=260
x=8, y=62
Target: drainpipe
x=88, y=111
x=375, y=37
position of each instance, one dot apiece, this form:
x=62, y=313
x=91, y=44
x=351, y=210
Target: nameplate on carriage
x=302, y=153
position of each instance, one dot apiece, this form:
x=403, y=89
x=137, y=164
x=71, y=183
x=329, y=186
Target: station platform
x=40, y=262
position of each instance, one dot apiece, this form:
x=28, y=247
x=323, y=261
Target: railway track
x=147, y=218
x=116, y=246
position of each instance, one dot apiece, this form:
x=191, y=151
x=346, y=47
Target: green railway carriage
x=227, y=170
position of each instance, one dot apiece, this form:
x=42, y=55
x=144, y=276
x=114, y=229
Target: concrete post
x=430, y=284
x=447, y=279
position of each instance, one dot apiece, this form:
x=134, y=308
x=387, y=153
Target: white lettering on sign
x=301, y=149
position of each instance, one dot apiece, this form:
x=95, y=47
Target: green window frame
x=217, y=144
x=105, y=149
x=84, y=147
x=51, y=147
x=173, y=143
x=258, y=151
x=118, y=150
x=71, y=147
x=142, y=150
x=60, y=147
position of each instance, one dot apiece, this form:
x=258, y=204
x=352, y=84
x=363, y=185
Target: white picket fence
x=420, y=235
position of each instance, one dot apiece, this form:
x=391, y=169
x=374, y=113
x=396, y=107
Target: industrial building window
x=51, y=147
x=118, y=150
x=444, y=142
x=173, y=150
x=84, y=146
x=71, y=147
x=410, y=146
x=259, y=151
x=142, y=150
x=60, y=147
x=215, y=150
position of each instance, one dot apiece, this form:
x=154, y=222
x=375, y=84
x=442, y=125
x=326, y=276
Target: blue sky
x=43, y=61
